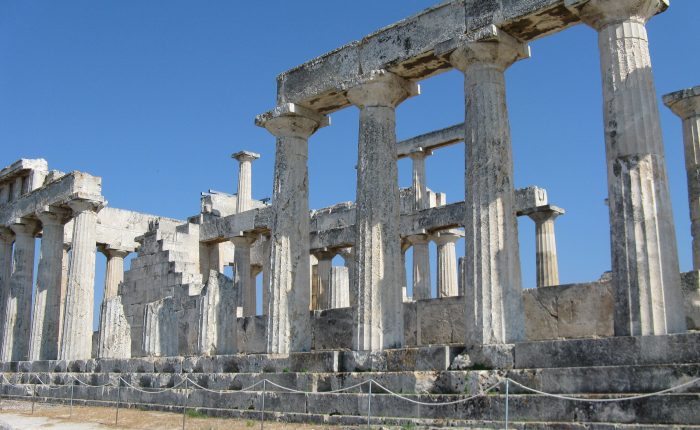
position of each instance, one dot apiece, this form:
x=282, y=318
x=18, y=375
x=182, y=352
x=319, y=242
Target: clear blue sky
x=155, y=96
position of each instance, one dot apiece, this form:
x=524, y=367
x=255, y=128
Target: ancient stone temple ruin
x=174, y=314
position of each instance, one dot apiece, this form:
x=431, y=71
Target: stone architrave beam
x=432, y=140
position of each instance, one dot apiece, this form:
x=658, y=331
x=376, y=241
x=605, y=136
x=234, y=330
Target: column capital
x=292, y=120
x=418, y=239
x=324, y=254
x=381, y=88
x=684, y=103
x=490, y=45
x=115, y=251
x=420, y=153
x=242, y=156
x=243, y=239
x=601, y=13
x=25, y=227
x=79, y=206
x=541, y=214
x=53, y=216
x=444, y=237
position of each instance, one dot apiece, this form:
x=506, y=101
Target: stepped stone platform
x=302, y=387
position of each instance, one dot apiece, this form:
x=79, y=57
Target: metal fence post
x=507, y=393
x=33, y=397
x=369, y=405
x=70, y=413
x=184, y=407
x=262, y=412
x=119, y=391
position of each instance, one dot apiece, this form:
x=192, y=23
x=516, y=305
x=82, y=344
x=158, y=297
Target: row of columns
x=59, y=324
x=644, y=255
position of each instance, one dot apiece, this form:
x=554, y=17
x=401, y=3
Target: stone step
x=665, y=409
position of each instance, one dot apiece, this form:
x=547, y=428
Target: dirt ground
x=18, y=415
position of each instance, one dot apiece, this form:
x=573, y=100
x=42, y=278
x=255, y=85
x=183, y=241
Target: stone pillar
x=379, y=316
x=76, y=338
x=242, y=273
x=323, y=274
x=46, y=319
x=65, y=264
x=461, y=269
x=686, y=104
x=495, y=311
x=646, y=274
x=348, y=255
x=266, y=274
x=19, y=300
x=245, y=161
x=420, y=190
x=422, y=288
x=115, y=271
x=6, y=239
x=289, y=326
x=339, y=288
x=447, y=284
x=545, y=244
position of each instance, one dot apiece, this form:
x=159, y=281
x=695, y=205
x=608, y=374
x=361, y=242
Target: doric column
x=447, y=284
x=379, y=316
x=348, y=255
x=18, y=308
x=115, y=270
x=686, y=104
x=646, y=274
x=46, y=319
x=266, y=273
x=339, y=289
x=323, y=281
x=76, y=338
x=65, y=264
x=289, y=326
x=405, y=244
x=6, y=239
x=421, y=200
x=242, y=274
x=493, y=286
x=421, y=266
x=545, y=244
x=245, y=161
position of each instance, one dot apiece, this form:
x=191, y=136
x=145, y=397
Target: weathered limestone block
x=691, y=299
x=160, y=328
x=379, y=320
x=569, y=311
x=48, y=299
x=218, y=329
x=115, y=333
x=648, y=298
x=252, y=334
x=493, y=284
x=288, y=314
x=530, y=197
x=18, y=305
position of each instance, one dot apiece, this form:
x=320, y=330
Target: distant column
x=115, y=271
x=379, y=317
x=422, y=288
x=76, y=340
x=348, y=255
x=686, y=104
x=421, y=199
x=447, y=284
x=495, y=312
x=242, y=278
x=245, y=161
x=46, y=320
x=646, y=273
x=6, y=239
x=545, y=244
x=18, y=308
x=339, y=290
x=323, y=274
x=289, y=325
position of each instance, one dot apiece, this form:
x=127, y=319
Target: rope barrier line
x=145, y=390
x=606, y=400
x=224, y=391
x=454, y=402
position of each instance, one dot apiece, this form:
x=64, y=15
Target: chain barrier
x=371, y=382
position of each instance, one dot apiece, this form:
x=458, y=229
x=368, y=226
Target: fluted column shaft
x=115, y=272
x=18, y=307
x=546, y=261
x=379, y=316
x=495, y=311
x=447, y=285
x=242, y=274
x=76, y=338
x=244, y=195
x=421, y=267
x=686, y=104
x=323, y=274
x=348, y=255
x=645, y=265
x=6, y=239
x=46, y=319
x=339, y=290
x=289, y=325
x=266, y=275
x=420, y=189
